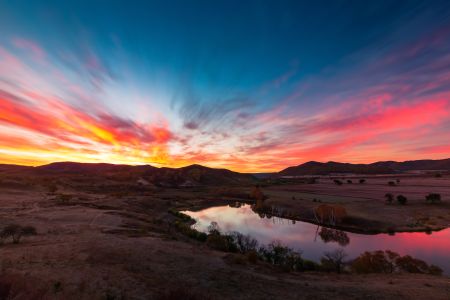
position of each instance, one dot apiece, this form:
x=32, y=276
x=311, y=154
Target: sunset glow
x=149, y=91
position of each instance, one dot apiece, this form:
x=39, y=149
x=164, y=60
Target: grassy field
x=366, y=202
x=105, y=239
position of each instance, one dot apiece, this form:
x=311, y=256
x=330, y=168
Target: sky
x=252, y=86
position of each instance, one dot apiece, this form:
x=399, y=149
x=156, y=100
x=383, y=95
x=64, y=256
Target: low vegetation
x=391, y=262
x=338, y=182
x=433, y=198
x=289, y=259
x=16, y=232
x=389, y=198
x=402, y=200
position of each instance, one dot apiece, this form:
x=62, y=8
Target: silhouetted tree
x=402, y=199
x=389, y=198
x=334, y=260
x=16, y=232
x=433, y=198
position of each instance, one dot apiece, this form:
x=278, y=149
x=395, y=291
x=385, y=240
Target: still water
x=313, y=241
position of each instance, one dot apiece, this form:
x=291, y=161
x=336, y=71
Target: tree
x=214, y=228
x=389, y=198
x=334, y=260
x=16, y=232
x=402, y=199
x=433, y=198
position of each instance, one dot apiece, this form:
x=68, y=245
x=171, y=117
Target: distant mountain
x=193, y=175
x=92, y=168
x=383, y=167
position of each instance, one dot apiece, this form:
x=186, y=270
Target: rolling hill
x=383, y=167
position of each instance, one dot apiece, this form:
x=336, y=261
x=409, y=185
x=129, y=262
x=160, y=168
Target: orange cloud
x=70, y=134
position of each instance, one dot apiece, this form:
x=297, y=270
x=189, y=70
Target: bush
x=402, y=200
x=220, y=242
x=390, y=262
x=190, y=232
x=362, y=181
x=413, y=265
x=337, y=181
x=333, y=261
x=180, y=215
x=389, y=198
x=349, y=181
x=16, y=232
x=391, y=183
x=283, y=256
x=244, y=243
x=433, y=198
x=375, y=262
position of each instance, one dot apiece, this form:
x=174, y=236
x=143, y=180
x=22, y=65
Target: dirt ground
x=99, y=240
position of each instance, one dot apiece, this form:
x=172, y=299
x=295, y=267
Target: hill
x=189, y=176
x=384, y=167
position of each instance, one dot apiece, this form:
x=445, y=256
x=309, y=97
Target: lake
x=313, y=240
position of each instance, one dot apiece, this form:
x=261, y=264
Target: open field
x=106, y=239
x=366, y=203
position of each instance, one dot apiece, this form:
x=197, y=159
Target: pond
x=313, y=240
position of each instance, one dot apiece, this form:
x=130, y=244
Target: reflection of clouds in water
x=434, y=248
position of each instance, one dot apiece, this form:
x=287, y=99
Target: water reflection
x=333, y=235
x=313, y=240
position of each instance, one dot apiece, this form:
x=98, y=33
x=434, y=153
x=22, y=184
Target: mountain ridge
x=380, y=167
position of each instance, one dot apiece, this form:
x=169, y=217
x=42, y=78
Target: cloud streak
x=389, y=100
